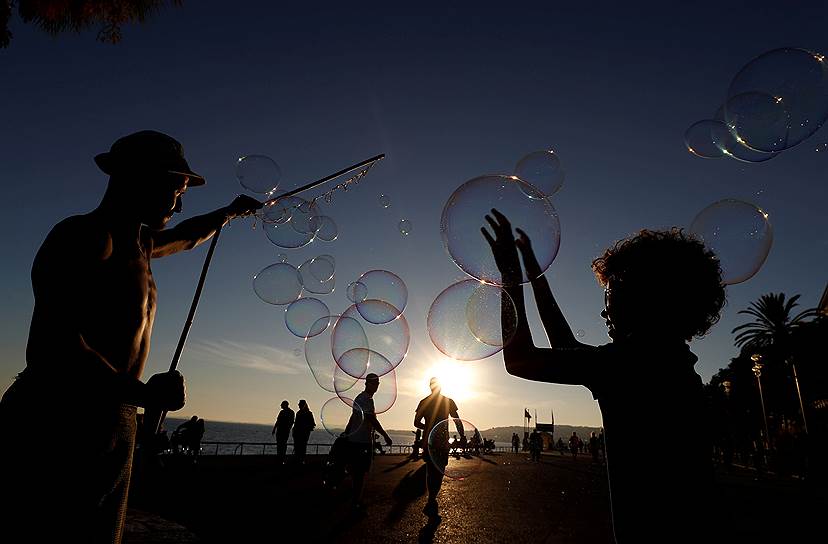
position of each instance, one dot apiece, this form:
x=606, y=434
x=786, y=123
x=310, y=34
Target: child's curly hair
x=667, y=267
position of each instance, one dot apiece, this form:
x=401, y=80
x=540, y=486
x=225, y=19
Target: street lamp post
x=757, y=371
x=799, y=395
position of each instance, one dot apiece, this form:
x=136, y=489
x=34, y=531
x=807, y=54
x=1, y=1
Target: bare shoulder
x=79, y=238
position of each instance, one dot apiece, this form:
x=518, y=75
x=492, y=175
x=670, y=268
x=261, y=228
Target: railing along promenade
x=209, y=447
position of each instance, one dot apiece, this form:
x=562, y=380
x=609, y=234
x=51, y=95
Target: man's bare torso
x=94, y=290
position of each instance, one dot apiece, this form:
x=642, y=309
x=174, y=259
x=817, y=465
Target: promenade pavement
x=507, y=498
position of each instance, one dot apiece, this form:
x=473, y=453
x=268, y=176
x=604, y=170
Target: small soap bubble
x=384, y=201
x=405, y=227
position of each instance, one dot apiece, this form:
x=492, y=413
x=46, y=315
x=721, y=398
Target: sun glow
x=456, y=378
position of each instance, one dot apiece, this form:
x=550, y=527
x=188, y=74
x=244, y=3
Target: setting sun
x=456, y=378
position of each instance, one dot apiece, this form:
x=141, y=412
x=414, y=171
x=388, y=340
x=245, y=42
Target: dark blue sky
x=448, y=93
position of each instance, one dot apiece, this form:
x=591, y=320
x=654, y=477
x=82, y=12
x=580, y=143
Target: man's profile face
x=163, y=198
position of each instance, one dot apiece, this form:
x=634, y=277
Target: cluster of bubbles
x=371, y=336
x=475, y=318
x=776, y=101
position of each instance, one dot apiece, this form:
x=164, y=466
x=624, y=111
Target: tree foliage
x=773, y=325
x=58, y=16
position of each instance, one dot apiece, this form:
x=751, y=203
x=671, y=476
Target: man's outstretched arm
x=192, y=232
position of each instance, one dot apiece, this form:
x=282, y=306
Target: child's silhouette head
x=660, y=283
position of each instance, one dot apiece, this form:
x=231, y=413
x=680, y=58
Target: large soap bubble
x=258, y=173
x=464, y=321
x=731, y=145
x=759, y=116
x=699, y=139
x=740, y=235
x=384, y=286
x=278, y=284
x=794, y=79
x=339, y=419
x=319, y=354
x=450, y=448
x=464, y=216
x=543, y=171
x=304, y=317
x=386, y=394
x=391, y=339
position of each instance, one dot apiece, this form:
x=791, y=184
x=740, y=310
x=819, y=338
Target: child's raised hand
x=524, y=244
x=503, y=246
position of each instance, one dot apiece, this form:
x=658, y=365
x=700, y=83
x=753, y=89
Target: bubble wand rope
x=363, y=166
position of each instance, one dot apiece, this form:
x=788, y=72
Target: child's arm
x=568, y=361
x=558, y=331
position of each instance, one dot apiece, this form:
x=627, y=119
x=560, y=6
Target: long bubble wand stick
x=364, y=166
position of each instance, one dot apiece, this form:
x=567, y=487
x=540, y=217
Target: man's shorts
x=360, y=456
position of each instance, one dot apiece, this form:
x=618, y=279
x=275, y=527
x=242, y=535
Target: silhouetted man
x=281, y=428
x=302, y=428
x=95, y=301
x=360, y=434
x=432, y=410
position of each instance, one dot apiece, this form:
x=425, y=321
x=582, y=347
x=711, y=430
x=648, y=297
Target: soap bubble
x=340, y=419
x=386, y=287
x=580, y=333
x=464, y=215
x=258, y=173
x=357, y=292
x=384, y=201
x=325, y=228
x=740, y=235
x=319, y=353
x=797, y=80
x=758, y=121
x=278, y=284
x=543, y=171
x=287, y=222
x=281, y=258
x=485, y=316
x=731, y=146
x=699, y=139
x=471, y=304
x=311, y=283
x=322, y=268
x=445, y=448
x=304, y=317
x=347, y=390
x=405, y=227
x=390, y=339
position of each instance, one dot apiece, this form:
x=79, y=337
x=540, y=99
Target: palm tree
x=773, y=326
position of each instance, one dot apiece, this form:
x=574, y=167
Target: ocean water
x=258, y=439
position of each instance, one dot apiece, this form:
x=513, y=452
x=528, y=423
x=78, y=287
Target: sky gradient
x=448, y=94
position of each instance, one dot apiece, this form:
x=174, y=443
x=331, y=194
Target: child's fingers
x=487, y=236
x=492, y=223
x=504, y=222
